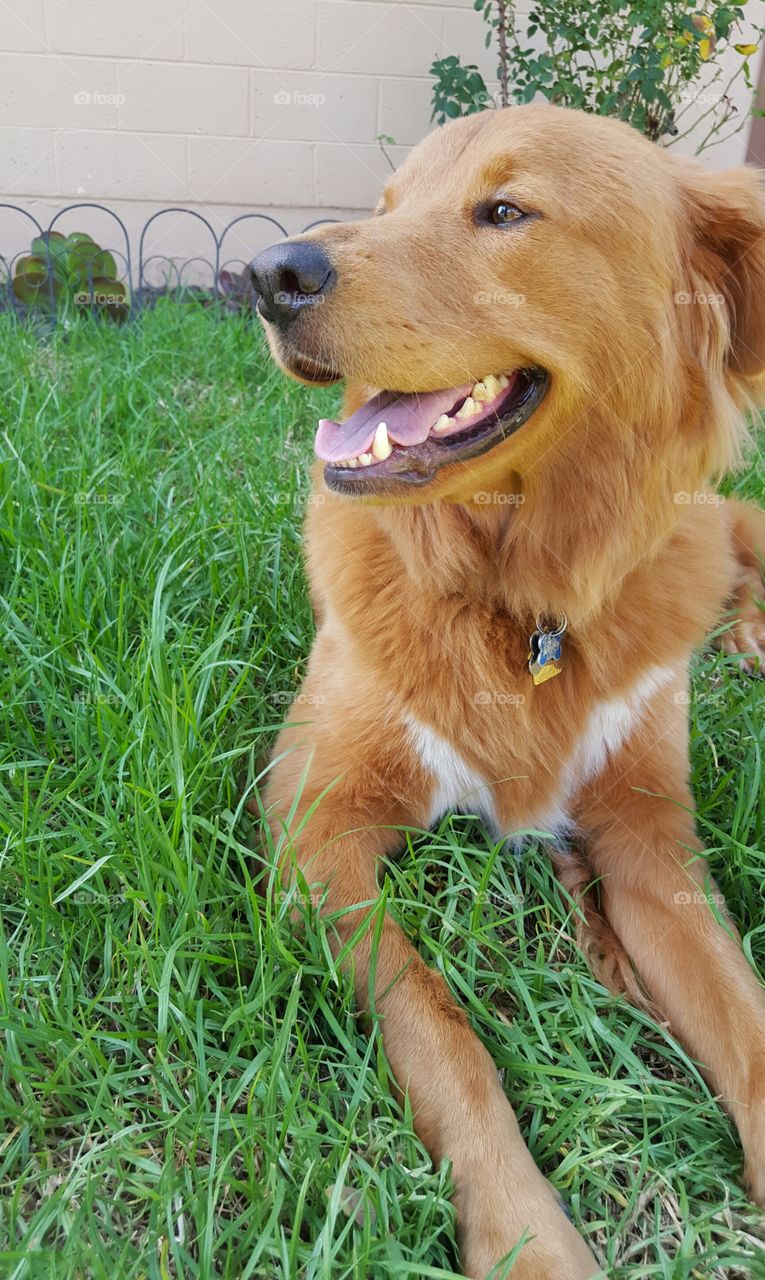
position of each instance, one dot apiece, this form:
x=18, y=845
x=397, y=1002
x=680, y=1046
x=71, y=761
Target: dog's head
x=526, y=269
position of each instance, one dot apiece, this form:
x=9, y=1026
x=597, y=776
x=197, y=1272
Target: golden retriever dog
x=551, y=332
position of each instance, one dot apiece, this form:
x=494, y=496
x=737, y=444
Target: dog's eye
x=502, y=213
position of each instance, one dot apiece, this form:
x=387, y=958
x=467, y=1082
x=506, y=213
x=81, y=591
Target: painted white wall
x=225, y=106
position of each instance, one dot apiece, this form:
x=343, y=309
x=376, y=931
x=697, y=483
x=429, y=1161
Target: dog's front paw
x=506, y=1236
x=754, y=1182
x=754, y=1150
x=745, y=639
x=495, y=1258
x=751, y=1126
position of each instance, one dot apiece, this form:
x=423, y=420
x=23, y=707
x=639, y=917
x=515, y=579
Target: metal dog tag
x=546, y=650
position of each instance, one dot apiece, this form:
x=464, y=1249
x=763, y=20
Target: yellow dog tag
x=546, y=650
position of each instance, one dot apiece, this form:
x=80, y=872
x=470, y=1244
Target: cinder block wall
x=221, y=105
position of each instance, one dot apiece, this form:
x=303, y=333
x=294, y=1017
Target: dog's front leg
x=334, y=840
x=666, y=912
x=746, y=635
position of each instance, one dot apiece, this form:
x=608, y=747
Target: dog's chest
x=531, y=773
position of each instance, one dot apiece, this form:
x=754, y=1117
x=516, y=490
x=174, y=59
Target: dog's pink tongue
x=408, y=418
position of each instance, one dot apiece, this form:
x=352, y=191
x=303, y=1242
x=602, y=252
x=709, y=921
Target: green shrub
x=70, y=273
x=638, y=62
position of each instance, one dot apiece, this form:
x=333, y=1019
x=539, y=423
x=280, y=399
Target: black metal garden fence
x=61, y=273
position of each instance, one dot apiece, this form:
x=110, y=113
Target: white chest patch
x=458, y=786
x=611, y=724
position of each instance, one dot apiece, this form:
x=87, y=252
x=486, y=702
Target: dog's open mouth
x=406, y=438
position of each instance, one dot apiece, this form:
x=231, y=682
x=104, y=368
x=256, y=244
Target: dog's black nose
x=289, y=277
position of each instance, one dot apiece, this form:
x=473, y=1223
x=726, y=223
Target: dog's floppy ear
x=726, y=213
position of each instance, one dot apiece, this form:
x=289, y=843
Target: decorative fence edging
x=139, y=278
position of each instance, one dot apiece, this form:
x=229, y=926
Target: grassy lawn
x=185, y=1090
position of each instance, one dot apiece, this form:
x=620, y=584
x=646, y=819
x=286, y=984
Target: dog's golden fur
x=600, y=507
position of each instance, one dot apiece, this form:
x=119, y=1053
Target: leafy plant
x=64, y=272
x=459, y=89
x=236, y=290
x=638, y=62
x=384, y=140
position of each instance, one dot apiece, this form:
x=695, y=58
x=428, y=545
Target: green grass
x=185, y=1090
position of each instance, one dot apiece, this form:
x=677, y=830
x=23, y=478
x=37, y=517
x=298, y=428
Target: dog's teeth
x=365, y=459
x=469, y=408
x=443, y=423
x=381, y=445
x=352, y=462
x=503, y=381
x=492, y=386
x=480, y=391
